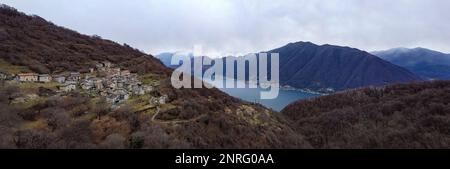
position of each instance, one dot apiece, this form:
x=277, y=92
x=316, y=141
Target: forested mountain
x=307, y=65
x=426, y=63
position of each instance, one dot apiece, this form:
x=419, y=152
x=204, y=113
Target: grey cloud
x=234, y=26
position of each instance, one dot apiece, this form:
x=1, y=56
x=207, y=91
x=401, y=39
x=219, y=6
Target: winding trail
x=158, y=110
x=174, y=121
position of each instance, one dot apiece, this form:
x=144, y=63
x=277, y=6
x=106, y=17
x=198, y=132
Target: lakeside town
x=105, y=80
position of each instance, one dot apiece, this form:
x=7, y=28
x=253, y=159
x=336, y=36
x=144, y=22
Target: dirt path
x=144, y=109
x=174, y=121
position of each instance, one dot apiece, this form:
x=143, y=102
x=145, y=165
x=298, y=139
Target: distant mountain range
x=166, y=58
x=426, y=63
x=325, y=67
x=307, y=65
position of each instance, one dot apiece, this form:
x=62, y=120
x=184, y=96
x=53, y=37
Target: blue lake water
x=285, y=96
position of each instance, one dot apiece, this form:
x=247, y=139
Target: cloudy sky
x=239, y=27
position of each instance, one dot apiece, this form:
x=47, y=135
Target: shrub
x=136, y=140
x=125, y=113
x=56, y=117
x=113, y=141
x=33, y=139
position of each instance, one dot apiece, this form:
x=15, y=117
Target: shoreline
x=285, y=87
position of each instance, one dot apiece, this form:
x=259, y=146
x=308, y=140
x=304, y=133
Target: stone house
x=107, y=64
x=87, y=84
x=98, y=83
x=114, y=72
x=125, y=73
x=163, y=99
x=103, y=93
x=10, y=77
x=68, y=87
x=87, y=77
x=59, y=78
x=131, y=84
x=113, y=99
x=133, y=75
x=147, y=88
x=44, y=78
x=111, y=84
x=120, y=84
x=100, y=67
x=74, y=76
x=3, y=76
x=156, y=101
x=118, y=96
x=28, y=77
x=121, y=92
x=71, y=82
x=138, y=90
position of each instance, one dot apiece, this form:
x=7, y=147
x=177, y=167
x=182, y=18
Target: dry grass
x=12, y=69
x=38, y=124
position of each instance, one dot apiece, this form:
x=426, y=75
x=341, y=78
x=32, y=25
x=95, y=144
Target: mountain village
x=105, y=80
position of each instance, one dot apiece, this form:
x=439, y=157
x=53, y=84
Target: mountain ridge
x=429, y=64
x=320, y=67
x=307, y=65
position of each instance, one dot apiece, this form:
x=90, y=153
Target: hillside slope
x=33, y=115
x=45, y=48
x=396, y=116
x=306, y=65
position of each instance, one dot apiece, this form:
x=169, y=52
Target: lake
x=285, y=96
